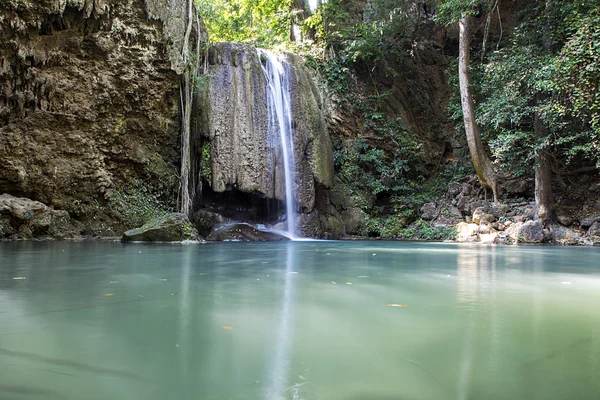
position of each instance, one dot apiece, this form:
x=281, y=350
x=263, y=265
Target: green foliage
x=548, y=69
x=578, y=67
x=452, y=10
x=382, y=32
x=135, y=203
x=394, y=227
x=263, y=23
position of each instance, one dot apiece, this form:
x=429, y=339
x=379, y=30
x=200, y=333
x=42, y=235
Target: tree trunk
x=482, y=163
x=300, y=11
x=544, y=198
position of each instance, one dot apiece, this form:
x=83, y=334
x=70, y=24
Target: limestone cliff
x=89, y=101
x=243, y=157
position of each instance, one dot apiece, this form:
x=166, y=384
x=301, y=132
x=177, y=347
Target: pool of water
x=298, y=320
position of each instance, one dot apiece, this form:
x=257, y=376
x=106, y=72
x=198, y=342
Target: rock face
x=243, y=157
x=22, y=218
x=173, y=227
x=90, y=100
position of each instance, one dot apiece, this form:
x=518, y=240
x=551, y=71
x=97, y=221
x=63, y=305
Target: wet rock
x=310, y=224
x=23, y=218
x=173, y=227
x=243, y=154
x=243, y=233
x=531, y=232
x=205, y=221
x=429, y=211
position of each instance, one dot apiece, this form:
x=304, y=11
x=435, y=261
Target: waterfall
x=280, y=124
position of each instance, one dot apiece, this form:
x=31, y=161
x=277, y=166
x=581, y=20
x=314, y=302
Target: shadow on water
x=558, y=352
x=72, y=364
x=27, y=391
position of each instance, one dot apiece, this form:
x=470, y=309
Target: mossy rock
x=174, y=227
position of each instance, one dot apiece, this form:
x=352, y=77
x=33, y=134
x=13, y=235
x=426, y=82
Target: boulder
x=243, y=233
x=480, y=215
x=205, y=221
x=531, y=232
x=563, y=218
x=477, y=204
x=594, y=229
x=174, y=227
x=454, y=189
x=485, y=227
x=488, y=238
x=466, y=232
x=23, y=218
x=589, y=221
x=429, y=211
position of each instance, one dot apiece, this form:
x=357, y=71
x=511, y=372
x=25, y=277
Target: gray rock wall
x=243, y=157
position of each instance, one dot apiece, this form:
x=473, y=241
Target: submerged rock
x=173, y=227
x=244, y=233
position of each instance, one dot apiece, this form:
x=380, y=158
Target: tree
x=481, y=161
x=461, y=11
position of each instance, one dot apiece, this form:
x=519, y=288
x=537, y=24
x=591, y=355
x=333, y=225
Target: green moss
x=135, y=203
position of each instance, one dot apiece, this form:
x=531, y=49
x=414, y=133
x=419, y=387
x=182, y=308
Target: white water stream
x=280, y=123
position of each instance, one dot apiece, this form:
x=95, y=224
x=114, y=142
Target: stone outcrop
x=235, y=121
x=22, y=218
x=90, y=100
x=243, y=233
x=173, y=227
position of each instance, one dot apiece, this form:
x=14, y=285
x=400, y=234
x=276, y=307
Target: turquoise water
x=265, y=321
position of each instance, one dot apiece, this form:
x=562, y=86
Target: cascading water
x=280, y=124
